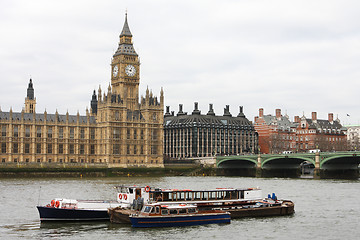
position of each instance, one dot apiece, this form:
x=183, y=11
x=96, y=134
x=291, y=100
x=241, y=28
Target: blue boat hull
x=63, y=214
x=178, y=220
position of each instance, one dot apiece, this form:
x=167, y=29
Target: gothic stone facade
x=198, y=135
x=119, y=130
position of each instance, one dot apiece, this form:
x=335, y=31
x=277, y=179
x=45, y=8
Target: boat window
x=173, y=211
x=191, y=196
x=173, y=196
x=165, y=196
x=153, y=210
x=182, y=210
x=130, y=190
x=147, y=209
x=164, y=212
x=197, y=195
x=212, y=195
x=191, y=210
x=182, y=195
x=220, y=195
x=206, y=195
x=234, y=194
x=227, y=194
x=241, y=195
x=157, y=209
x=157, y=197
x=188, y=196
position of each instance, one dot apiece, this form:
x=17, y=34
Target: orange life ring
x=147, y=189
x=120, y=196
x=52, y=202
x=125, y=196
x=57, y=204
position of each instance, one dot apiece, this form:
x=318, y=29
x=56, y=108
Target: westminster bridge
x=324, y=164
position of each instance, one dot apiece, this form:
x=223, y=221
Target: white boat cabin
x=127, y=194
x=215, y=195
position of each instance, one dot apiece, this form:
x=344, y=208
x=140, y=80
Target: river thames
x=324, y=209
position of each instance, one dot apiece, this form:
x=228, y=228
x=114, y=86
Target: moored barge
x=176, y=215
x=247, y=202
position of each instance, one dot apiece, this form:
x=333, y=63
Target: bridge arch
x=344, y=161
x=286, y=160
x=236, y=161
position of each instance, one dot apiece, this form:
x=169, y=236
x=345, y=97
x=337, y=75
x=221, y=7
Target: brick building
x=277, y=133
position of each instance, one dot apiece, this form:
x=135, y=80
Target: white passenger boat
x=62, y=209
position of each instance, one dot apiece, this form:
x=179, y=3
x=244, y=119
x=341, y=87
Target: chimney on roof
x=255, y=119
x=313, y=116
x=167, y=111
x=227, y=111
x=331, y=118
x=196, y=109
x=261, y=112
x=297, y=119
x=278, y=113
x=211, y=110
x=241, y=112
x=180, y=110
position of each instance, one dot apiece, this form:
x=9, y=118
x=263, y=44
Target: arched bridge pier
x=343, y=165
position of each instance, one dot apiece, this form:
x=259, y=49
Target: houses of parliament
x=118, y=130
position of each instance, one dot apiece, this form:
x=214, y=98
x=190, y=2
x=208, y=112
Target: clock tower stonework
x=125, y=65
x=131, y=132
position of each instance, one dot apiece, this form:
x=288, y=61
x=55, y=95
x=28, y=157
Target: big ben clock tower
x=130, y=128
x=125, y=67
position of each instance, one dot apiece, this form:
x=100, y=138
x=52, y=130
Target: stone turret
x=94, y=103
x=30, y=100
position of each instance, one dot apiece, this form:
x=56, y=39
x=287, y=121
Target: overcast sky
x=299, y=56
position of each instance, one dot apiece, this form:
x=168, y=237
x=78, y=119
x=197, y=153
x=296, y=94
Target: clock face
x=130, y=70
x=115, y=71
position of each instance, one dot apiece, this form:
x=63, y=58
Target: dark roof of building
x=324, y=124
x=207, y=121
x=283, y=123
x=40, y=117
x=127, y=49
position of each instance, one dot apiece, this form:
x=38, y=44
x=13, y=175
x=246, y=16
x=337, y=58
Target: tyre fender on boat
x=57, y=204
x=125, y=196
x=147, y=189
x=53, y=203
x=120, y=196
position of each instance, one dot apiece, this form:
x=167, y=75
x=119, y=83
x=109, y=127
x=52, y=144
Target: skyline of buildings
x=122, y=128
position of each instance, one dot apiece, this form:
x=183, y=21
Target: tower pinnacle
x=126, y=30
